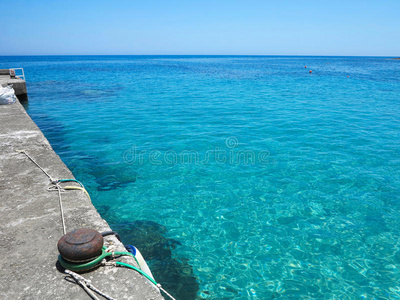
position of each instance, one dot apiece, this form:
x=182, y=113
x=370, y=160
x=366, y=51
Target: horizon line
x=260, y=55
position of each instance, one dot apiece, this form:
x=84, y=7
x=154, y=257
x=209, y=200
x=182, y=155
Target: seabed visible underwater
x=236, y=177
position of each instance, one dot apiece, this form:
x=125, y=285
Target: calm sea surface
x=239, y=177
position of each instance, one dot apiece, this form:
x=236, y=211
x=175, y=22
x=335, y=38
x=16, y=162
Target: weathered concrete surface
x=30, y=222
x=18, y=84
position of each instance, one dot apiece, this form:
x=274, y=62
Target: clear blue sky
x=259, y=27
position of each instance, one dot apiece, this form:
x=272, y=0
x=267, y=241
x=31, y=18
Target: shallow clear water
x=272, y=182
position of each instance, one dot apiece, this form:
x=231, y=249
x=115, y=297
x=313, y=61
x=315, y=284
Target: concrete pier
x=19, y=85
x=30, y=222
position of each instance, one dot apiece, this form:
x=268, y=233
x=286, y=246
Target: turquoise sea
x=239, y=177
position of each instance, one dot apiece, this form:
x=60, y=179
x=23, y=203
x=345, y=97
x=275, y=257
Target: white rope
x=61, y=208
x=56, y=186
x=168, y=294
x=51, y=178
x=87, y=285
x=113, y=264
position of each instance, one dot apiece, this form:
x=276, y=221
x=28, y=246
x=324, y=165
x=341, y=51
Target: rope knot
x=109, y=263
x=53, y=181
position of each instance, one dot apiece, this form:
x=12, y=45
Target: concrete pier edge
x=30, y=222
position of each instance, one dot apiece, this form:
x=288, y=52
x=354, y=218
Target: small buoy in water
x=348, y=76
x=310, y=71
x=305, y=67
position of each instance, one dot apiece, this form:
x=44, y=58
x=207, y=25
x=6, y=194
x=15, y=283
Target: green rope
x=74, y=180
x=86, y=266
x=128, y=254
x=93, y=263
x=98, y=260
x=118, y=263
x=137, y=270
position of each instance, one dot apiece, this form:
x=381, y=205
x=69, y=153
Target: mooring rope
x=87, y=285
x=57, y=187
x=52, y=180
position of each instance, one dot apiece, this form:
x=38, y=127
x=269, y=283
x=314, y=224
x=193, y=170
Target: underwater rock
x=110, y=178
x=103, y=210
x=174, y=273
x=176, y=276
x=111, y=182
